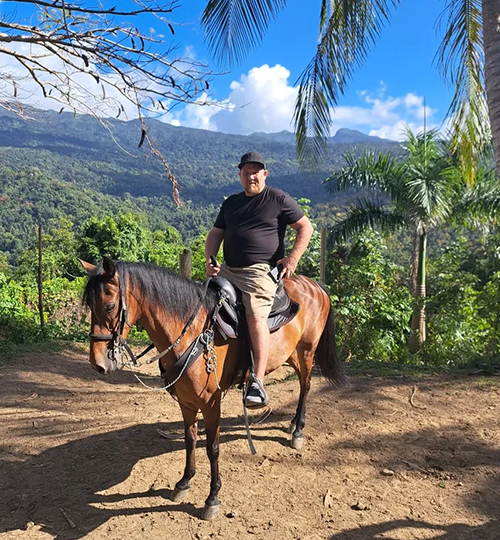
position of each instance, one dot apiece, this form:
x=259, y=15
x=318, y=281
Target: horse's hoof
x=210, y=512
x=178, y=495
x=297, y=443
x=291, y=428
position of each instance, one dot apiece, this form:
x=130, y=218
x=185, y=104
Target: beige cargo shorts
x=257, y=286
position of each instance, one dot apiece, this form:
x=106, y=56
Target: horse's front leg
x=211, y=416
x=190, y=436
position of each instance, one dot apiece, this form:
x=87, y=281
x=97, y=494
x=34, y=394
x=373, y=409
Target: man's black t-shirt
x=255, y=226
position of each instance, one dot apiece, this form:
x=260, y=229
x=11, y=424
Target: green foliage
x=122, y=237
x=464, y=304
x=197, y=247
x=163, y=248
x=59, y=252
x=371, y=300
x=19, y=321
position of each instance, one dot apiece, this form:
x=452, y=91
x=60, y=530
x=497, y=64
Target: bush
x=371, y=300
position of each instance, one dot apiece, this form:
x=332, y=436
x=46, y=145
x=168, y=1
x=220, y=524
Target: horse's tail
x=326, y=354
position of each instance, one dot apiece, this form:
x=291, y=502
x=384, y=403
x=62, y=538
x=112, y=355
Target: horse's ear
x=87, y=266
x=109, y=266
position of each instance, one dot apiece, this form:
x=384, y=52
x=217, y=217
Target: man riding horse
x=252, y=226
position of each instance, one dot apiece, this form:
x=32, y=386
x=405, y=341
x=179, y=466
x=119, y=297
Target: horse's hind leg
x=301, y=361
x=211, y=417
x=190, y=436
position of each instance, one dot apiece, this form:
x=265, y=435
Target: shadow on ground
x=390, y=529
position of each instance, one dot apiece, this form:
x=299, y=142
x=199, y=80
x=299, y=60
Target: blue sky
x=385, y=93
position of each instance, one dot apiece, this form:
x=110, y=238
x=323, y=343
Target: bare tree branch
x=92, y=60
x=145, y=7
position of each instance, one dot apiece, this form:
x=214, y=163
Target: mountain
x=79, y=150
x=83, y=169
x=343, y=136
x=352, y=136
x=284, y=136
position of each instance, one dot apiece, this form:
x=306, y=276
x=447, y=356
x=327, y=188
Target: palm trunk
x=491, y=36
x=418, y=330
x=414, y=264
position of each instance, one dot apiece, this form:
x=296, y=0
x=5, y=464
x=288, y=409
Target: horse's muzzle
x=104, y=363
x=99, y=369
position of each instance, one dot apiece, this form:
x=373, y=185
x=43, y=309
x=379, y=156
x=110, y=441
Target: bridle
x=119, y=344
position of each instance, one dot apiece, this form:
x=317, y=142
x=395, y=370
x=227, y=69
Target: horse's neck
x=164, y=328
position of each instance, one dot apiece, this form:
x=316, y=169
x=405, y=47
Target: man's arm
x=212, y=245
x=304, y=231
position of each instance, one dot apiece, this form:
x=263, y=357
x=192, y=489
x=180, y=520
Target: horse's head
x=106, y=298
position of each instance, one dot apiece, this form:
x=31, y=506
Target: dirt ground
x=81, y=457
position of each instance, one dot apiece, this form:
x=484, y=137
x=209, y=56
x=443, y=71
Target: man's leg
x=258, y=290
x=261, y=339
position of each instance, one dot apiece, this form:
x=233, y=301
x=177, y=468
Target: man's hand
x=212, y=269
x=289, y=265
x=212, y=244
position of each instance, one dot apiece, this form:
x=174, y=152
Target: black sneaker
x=256, y=397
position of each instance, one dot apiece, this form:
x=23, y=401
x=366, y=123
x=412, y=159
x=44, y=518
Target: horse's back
x=304, y=331
x=309, y=294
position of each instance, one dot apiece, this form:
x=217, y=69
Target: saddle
x=230, y=312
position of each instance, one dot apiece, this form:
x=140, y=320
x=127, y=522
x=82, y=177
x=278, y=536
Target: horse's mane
x=154, y=285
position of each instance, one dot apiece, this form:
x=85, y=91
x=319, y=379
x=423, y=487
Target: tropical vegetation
x=421, y=192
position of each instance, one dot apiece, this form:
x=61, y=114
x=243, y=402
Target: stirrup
x=252, y=379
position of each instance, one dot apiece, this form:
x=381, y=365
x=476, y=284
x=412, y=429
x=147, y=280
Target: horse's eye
x=110, y=307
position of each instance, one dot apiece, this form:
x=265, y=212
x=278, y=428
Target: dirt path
x=81, y=458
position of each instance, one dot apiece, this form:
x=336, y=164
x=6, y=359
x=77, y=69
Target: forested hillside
x=57, y=165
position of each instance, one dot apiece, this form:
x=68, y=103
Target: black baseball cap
x=252, y=157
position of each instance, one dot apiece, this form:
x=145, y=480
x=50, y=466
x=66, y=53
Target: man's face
x=253, y=178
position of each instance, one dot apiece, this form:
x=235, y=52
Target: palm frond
x=461, y=62
x=430, y=187
x=324, y=14
x=367, y=214
x=234, y=27
x=482, y=201
x=346, y=38
x=376, y=173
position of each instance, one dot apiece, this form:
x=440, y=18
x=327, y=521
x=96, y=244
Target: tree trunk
x=414, y=264
x=418, y=329
x=40, y=279
x=491, y=35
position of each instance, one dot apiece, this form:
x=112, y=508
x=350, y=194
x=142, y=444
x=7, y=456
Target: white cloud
x=86, y=93
x=263, y=100
x=395, y=132
x=104, y=97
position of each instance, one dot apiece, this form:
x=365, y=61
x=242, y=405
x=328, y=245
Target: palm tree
x=425, y=190
x=347, y=31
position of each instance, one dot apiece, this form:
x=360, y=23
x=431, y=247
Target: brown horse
x=168, y=307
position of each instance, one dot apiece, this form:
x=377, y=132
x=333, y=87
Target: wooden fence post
x=39, y=278
x=185, y=264
x=322, y=267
